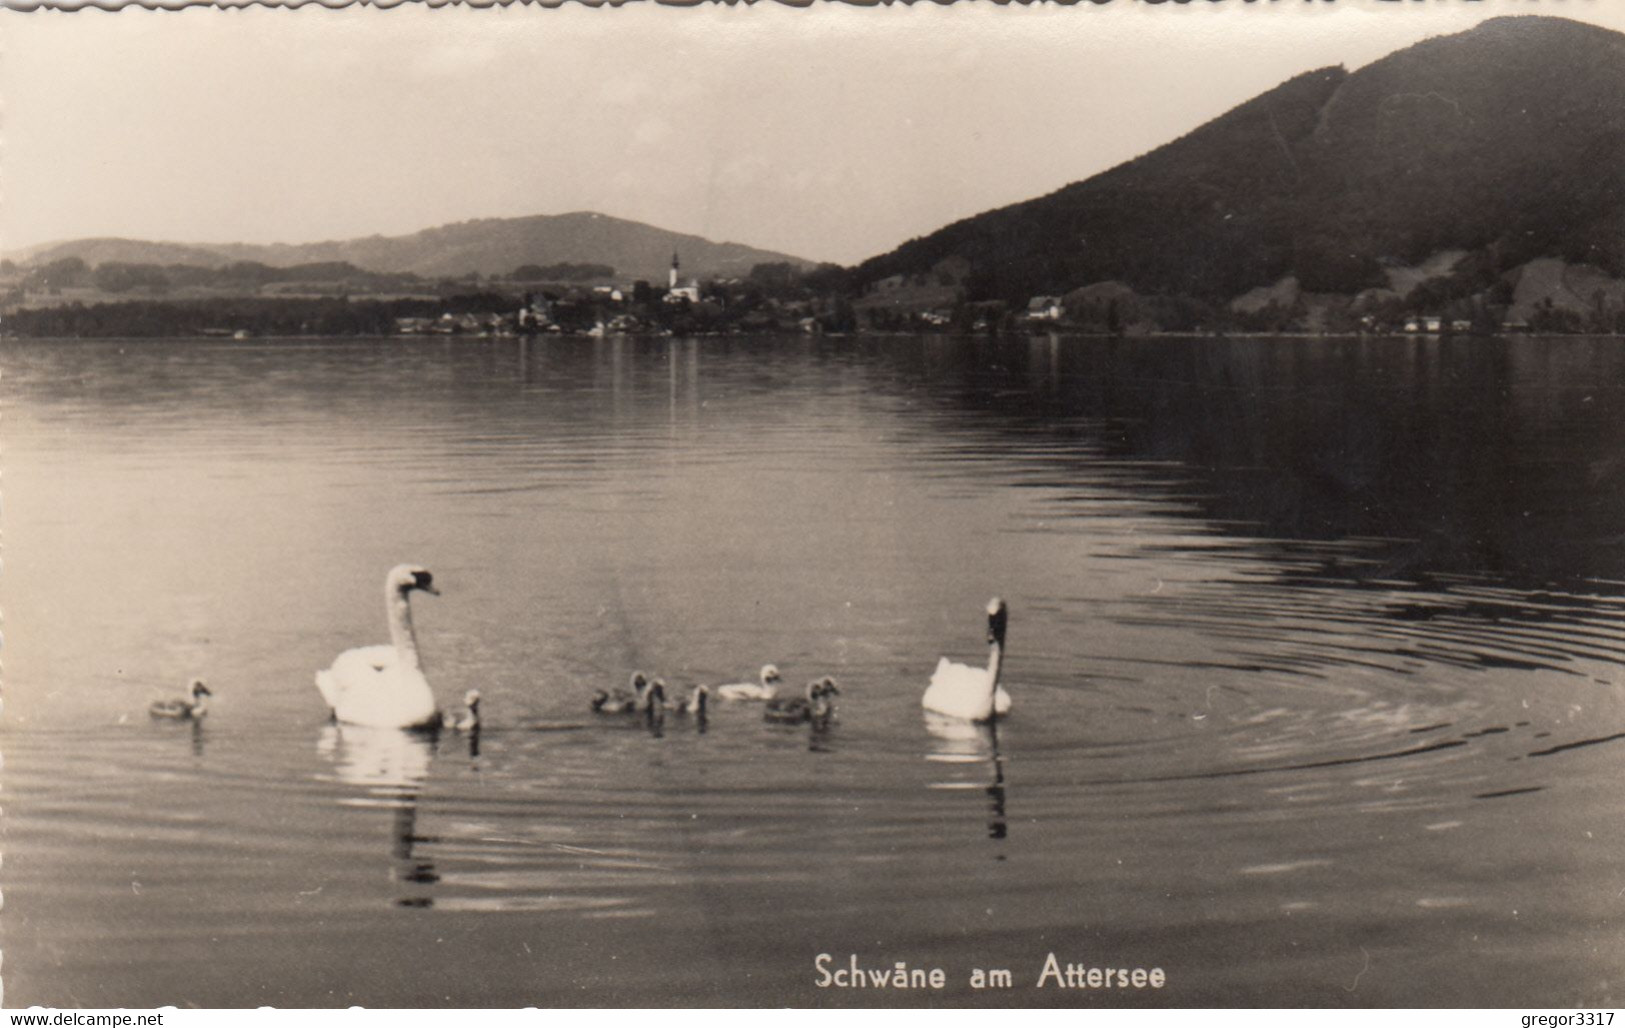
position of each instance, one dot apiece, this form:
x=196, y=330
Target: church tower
x=674, y=267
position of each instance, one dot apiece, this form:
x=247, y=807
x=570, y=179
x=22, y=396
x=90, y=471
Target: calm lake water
x=1315, y=649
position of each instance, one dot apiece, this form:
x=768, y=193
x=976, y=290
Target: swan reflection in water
x=193, y=730
x=815, y=708
x=974, y=748
x=190, y=727
x=390, y=765
x=821, y=732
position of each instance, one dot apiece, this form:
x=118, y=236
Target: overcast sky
x=831, y=133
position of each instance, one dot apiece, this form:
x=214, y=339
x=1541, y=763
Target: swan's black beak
x=425, y=581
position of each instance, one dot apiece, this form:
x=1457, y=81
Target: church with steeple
x=675, y=292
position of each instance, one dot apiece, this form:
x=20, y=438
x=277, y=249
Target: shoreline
x=6, y=337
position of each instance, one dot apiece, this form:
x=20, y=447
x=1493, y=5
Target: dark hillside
x=1507, y=141
x=1510, y=136
x=1177, y=219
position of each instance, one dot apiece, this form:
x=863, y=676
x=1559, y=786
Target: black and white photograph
x=947, y=505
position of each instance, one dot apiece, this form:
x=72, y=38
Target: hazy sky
x=832, y=133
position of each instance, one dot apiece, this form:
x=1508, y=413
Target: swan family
x=384, y=686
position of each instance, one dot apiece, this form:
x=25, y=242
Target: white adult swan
x=973, y=693
x=383, y=686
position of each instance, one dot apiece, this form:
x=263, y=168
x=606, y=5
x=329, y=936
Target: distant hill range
x=490, y=246
x=1497, y=146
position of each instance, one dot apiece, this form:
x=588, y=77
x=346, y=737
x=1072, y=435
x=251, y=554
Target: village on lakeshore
x=68, y=297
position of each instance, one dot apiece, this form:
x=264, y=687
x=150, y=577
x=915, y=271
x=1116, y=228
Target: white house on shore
x=1045, y=308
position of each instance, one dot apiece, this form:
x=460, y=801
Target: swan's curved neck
x=400, y=628
x=995, y=663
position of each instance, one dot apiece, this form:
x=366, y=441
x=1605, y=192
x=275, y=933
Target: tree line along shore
x=68, y=299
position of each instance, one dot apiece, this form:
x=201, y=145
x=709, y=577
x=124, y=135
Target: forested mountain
x=1506, y=141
